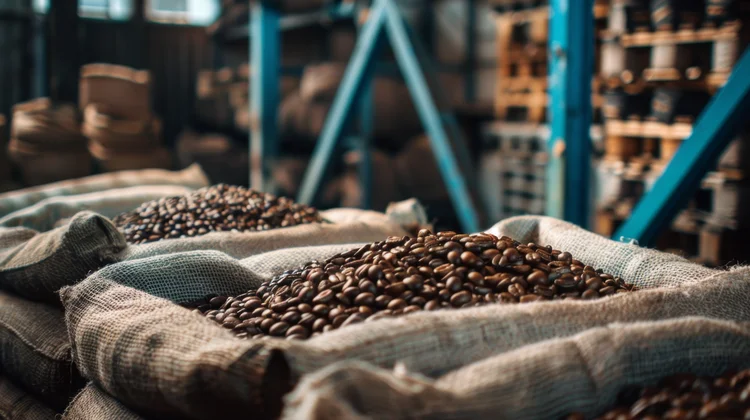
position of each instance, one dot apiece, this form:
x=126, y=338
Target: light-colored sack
x=35, y=351
x=130, y=303
x=94, y=404
x=35, y=265
x=192, y=177
x=547, y=380
x=346, y=226
x=15, y=404
x=43, y=215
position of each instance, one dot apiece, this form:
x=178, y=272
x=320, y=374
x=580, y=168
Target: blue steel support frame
x=571, y=48
x=716, y=127
x=265, y=50
x=385, y=18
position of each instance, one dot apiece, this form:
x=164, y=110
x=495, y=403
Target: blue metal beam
x=351, y=85
x=431, y=117
x=571, y=47
x=716, y=127
x=265, y=50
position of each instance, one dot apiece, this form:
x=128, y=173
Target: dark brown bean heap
x=403, y=275
x=218, y=208
x=686, y=397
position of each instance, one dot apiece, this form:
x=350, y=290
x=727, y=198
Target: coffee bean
x=414, y=282
x=365, y=299
x=460, y=298
x=397, y=304
x=402, y=275
x=323, y=297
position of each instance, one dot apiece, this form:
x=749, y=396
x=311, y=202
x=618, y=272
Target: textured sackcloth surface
x=168, y=360
x=94, y=404
x=35, y=265
x=550, y=379
x=192, y=177
x=35, y=350
x=347, y=226
x=641, y=266
x=15, y=404
x=43, y=215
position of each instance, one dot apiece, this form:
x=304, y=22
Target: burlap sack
x=35, y=265
x=547, y=380
x=35, y=350
x=94, y=404
x=15, y=404
x=207, y=367
x=125, y=90
x=192, y=177
x=346, y=226
x=41, y=123
x=43, y=215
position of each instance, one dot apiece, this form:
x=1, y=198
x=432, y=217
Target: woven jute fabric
x=581, y=373
x=16, y=404
x=35, y=350
x=94, y=404
x=43, y=215
x=346, y=226
x=35, y=265
x=168, y=360
x=192, y=177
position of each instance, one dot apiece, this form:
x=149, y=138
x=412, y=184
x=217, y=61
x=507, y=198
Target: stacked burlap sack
x=38, y=376
x=303, y=113
x=5, y=171
x=46, y=142
x=122, y=131
x=223, y=159
x=137, y=345
x=37, y=259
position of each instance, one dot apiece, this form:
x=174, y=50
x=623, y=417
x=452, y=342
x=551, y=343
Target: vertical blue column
x=265, y=53
x=571, y=47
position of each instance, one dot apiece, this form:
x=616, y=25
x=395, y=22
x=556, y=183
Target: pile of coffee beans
x=219, y=208
x=686, y=397
x=403, y=275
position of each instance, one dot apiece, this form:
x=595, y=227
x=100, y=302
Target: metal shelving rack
x=382, y=20
x=571, y=47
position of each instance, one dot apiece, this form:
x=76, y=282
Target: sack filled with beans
x=406, y=274
x=541, y=359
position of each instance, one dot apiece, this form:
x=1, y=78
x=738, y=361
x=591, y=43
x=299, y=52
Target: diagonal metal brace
x=717, y=125
x=386, y=19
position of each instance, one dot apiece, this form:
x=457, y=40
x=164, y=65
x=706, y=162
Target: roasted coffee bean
x=682, y=397
x=402, y=275
x=219, y=208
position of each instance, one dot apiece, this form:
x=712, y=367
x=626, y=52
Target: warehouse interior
x=559, y=150
x=487, y=65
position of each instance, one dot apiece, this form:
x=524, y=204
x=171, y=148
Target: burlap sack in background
x=94, y=404
x=35, y=351
x=210, y=368
x=346, y=226
x=582, y=373
x=35, y=265
x=15, y=404
x=43, y=215
x=192, y=177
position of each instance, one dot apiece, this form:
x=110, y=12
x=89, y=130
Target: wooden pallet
x=647, y=140
x=704, y=55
